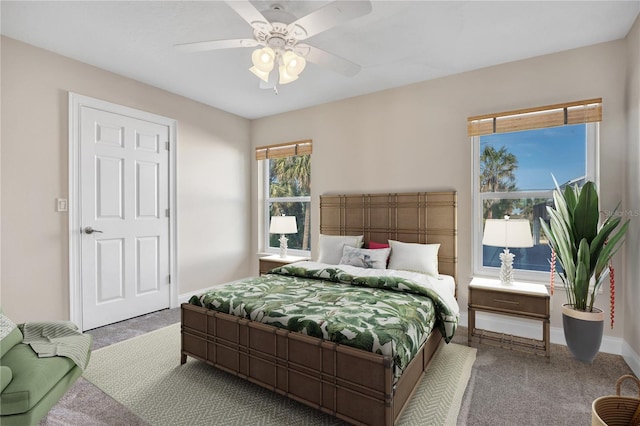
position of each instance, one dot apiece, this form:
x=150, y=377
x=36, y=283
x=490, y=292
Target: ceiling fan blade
x=326, y=17
x=250, y=14
x=329, y=60
x=202, y=46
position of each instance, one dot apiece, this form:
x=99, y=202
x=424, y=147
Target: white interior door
x=124, y=209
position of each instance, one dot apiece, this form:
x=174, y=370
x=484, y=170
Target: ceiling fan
x=277, y=36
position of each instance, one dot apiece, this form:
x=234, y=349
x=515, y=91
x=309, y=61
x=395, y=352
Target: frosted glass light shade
x=262, y=75
x=263, y=59
x=285, y=77
x=293, y=63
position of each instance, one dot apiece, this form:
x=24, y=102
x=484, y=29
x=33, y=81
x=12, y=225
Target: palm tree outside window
x=287, y=189
x=290, y=195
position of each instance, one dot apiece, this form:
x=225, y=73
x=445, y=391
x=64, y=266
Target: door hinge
x=169, y=278
x=167, y=213
x=166, y=146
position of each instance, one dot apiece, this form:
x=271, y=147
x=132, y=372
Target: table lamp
x=514, y=233
x=283, y=225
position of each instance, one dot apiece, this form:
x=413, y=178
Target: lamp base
x=283, y=246
x=506, y=267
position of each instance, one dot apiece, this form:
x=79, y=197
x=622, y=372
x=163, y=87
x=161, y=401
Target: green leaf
x=564, y=246
x=294, y=324
x=570, y=197
x=363, y=341
x=599, y=241
x=582, y=276
x=614, y=244
x=581, y=288
x=586, y=214
x=561, y=207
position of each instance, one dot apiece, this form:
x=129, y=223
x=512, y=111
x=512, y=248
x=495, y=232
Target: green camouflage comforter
x=381, y=311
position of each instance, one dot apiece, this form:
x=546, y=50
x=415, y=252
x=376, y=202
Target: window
x=516, y=156
x=287, y=180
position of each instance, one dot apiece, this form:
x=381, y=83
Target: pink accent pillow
x=374, y=245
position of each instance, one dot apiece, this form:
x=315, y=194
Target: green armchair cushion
x=5, y=377
x=33, y=377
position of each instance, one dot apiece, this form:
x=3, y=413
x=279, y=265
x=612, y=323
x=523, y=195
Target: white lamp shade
x=514, y=233
x=263, y=59
x=283, y=225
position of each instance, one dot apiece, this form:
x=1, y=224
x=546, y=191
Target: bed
x=355, y=385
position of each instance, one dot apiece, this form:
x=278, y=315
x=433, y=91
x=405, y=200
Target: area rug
x=145, y=375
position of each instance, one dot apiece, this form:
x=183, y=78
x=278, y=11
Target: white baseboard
x=533, y=329
x=184, y=298
x=632, y=358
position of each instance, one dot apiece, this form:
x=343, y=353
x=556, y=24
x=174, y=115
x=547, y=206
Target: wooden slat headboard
x=415, y=217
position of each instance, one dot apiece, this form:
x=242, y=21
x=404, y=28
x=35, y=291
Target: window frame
x=592, y=173
x=266, y=217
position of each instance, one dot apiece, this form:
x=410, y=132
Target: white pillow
x=414, y=257
x=365, y=258
x=330, y=247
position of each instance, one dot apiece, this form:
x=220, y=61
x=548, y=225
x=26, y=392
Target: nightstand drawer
x=267, y=265
x=509, y=302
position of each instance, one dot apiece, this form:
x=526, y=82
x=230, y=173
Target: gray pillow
x=365, y=258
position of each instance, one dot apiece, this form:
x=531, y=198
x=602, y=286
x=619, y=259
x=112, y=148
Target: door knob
x=90, y=230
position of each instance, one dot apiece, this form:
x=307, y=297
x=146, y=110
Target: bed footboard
x=351, y=384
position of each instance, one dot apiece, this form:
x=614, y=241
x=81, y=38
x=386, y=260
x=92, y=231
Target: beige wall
x=414, y=137
x=410, y=138
x=632, y=300
x=213, y=166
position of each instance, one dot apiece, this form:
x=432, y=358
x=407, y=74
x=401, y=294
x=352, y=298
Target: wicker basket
x=616, y=410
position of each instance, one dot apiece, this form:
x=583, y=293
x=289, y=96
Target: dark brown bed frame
x=351, y=384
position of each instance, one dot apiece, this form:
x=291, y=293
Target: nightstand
x=523, y=300
x=267, y=263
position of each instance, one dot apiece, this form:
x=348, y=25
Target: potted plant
x=584, y=249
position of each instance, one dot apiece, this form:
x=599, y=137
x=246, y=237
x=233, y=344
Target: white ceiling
x=398, y=43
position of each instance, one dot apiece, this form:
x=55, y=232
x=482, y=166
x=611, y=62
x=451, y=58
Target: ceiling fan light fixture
x=294, y=64
x=285, y=77
x=276, y=37
x=262, y=75
x=263, y=59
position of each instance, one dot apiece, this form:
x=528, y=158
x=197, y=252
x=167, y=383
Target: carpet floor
x=144, y=374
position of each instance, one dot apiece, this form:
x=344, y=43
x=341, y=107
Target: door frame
x=76, y=101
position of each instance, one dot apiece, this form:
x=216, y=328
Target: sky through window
x=542, y=152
